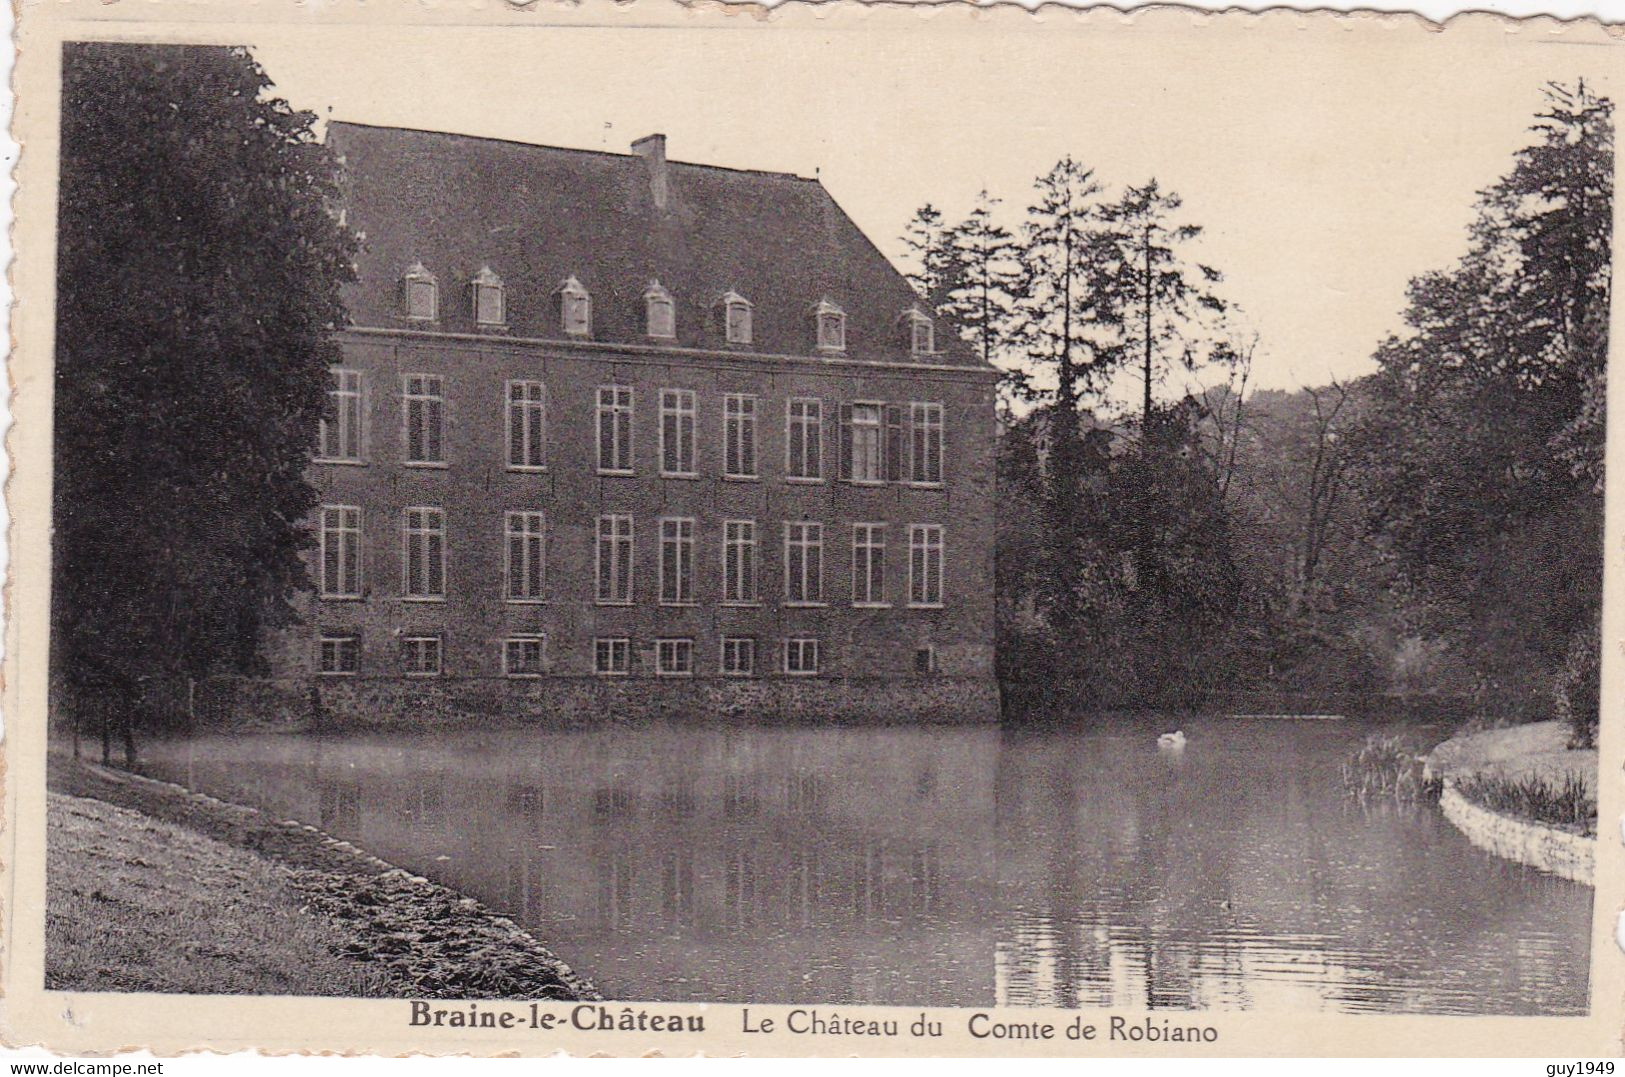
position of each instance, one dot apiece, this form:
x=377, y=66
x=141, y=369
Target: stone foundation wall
x=401, y=702
x=1558, y=851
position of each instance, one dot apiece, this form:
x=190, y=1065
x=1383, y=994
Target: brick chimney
x=652, y=148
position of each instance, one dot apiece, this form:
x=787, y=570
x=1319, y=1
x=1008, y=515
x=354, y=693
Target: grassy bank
x=153, y=888
x=137, y=904
x=1525, y=771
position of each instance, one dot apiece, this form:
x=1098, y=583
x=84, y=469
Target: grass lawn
x=137, y=904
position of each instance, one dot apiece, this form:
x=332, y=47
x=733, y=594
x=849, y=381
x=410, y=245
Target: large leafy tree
x=1180, y=583
x=1483, y=448
x=198, y=276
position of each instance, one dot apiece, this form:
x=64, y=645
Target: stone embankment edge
x=358, y=860
x=1560, y=852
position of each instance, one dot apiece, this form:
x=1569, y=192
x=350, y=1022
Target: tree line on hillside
x=1433, y=528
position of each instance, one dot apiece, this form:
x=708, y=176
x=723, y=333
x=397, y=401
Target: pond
x=942, y=866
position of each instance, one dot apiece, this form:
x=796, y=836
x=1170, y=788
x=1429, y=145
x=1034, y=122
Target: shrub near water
x=1568, y=803
x=1385, y=766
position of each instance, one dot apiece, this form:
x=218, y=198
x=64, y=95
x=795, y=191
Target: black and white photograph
x=914, y=532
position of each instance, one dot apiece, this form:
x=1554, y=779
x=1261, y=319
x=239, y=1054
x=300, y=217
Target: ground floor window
x=674, y=657
x=339, y=653
x=420, y=656
x=738, y=656
x=801, y=656
x=612, y=656
x=522, y=656
x=925, y=660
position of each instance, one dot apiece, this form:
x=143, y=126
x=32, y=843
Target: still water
x=958, y=866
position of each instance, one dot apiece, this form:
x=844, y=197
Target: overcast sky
x=1327, y=168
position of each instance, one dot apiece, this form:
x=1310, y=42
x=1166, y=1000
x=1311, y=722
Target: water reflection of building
x=959, y=866
x=769, y=865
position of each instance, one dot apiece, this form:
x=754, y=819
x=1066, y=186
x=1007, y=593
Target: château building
x=618, y=434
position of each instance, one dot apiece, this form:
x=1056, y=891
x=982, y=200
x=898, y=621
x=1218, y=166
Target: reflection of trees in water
x=902, y=866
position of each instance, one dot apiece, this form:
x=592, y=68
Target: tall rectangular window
x=339, y=433
x=925, y=565
x=925, y=444
x=612, y=656
x=674, y=657
x=524, y=656
x=527, y=426
x=739, y=561
x=526, y=534
x=341, y=551
x=804, y=439
x=338, y=653
x=424, y=556
x=871, y=443
x=867, y=435
x=739, y=436
x=420, y=656
x=676, y=561
x=801, y=657
x=677, y=432
x=425, y=404
x=615, y=429
x=738, y=656
x=615, y=560
x=803, y=563
x=868, y=564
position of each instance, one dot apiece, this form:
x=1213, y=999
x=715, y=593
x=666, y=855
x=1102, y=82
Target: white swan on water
x=1176, y=739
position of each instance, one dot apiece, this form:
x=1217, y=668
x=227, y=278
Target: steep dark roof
x=539, y=214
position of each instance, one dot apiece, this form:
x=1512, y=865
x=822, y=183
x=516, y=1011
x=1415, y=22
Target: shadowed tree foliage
x=1113, y=551
x=1483, y=445
x=198, y=277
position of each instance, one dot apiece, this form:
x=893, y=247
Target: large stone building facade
x=618, y=435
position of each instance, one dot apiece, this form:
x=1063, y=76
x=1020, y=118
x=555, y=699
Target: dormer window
x=489, y=305
x=920, y=330
x=420, y=295
x=736, y=311
x=575, y=309
x=660, y=312
x=831, y=324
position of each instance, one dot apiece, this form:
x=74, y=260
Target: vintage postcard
x=829, y=530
